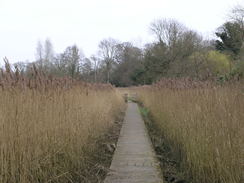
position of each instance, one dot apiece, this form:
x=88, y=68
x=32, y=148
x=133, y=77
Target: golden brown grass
x=48, y=127
x=205, y=123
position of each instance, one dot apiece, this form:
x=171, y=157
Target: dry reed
x=48, y=126
x=204, y=123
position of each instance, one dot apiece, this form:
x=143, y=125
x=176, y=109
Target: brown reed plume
x=205, y=122
x=49, y=126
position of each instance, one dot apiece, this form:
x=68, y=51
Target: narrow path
x=134, y=160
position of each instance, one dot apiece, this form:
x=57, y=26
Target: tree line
x=176, y=52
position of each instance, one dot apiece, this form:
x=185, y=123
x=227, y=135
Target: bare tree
x=128, y=63
x=95, y=61
x=44, y=55
x=39, y=54
x=107, y=50
x=167, y=31
x=237, y=15
x=48, y=51
x=72, y=58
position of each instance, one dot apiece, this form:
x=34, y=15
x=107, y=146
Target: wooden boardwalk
x=134, y=160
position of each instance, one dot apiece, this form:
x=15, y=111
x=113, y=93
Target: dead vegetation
x=49, y=127
x=203, y=122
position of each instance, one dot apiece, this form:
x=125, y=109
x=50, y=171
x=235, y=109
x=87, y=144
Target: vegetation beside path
x=56, y=130
x=169, y=159
x=202, y=123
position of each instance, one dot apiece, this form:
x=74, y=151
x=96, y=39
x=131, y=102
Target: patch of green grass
x=144, y=111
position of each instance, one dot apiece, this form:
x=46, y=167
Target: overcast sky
x=86, y=22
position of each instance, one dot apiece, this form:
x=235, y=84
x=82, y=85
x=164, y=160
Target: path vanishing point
x=134, y=160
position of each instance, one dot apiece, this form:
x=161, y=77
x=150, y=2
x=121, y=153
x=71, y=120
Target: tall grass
x=48, y=127
x=204, y=123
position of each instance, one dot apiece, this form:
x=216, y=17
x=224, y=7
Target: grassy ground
x=204, y=126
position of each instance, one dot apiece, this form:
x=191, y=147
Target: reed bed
x=204, y=124
x=49, y=126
